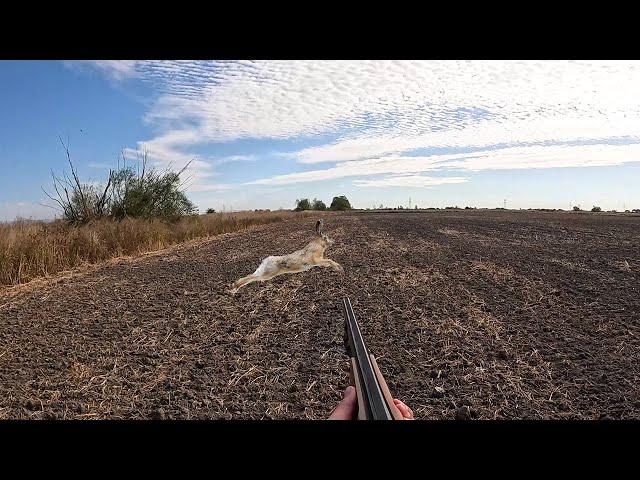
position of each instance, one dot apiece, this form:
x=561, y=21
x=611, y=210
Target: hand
x=347, y=409
x=406, y=412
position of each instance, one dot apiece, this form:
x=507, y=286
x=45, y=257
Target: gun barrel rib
x=374, y=399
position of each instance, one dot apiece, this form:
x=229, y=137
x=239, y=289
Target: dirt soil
x=510, y=314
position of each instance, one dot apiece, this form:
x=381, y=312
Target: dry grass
x=31, y=249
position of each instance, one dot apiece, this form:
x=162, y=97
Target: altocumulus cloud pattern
x=398, y=120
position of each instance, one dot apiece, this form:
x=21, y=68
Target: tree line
x=337, y=204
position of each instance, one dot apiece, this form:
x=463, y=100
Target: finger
x=403, y=410
x=408, y=408
x=406, y=412
x=347, y=408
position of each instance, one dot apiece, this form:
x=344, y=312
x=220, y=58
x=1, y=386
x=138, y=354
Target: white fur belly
x=264, y=266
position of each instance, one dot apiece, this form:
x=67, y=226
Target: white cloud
x=409, y=181
x=161, y=156
x=548, y=157
x=378, y=111
x=497, y=159
x=235, y=158
x=114, y=69
x=284, y=99
x=482, y=135
x=210, y=187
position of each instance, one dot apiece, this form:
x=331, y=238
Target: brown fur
x=299, y=261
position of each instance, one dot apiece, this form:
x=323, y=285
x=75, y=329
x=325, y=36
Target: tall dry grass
x=31, y=249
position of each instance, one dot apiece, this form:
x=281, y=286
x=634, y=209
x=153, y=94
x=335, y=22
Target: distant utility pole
x=409, y=203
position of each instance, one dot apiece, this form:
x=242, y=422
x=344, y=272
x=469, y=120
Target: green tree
x=318, y=205
x=149, y=194
x=302, y=204
x=340, y=203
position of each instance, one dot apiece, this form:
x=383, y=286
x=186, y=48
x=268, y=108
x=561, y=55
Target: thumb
x=347, y=408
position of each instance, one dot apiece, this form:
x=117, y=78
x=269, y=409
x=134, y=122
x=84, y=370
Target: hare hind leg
x=258, y=275
x=238, y=284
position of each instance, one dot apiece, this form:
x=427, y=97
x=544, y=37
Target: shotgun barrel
x=374, y=399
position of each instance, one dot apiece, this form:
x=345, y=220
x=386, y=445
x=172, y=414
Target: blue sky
x=261, y=134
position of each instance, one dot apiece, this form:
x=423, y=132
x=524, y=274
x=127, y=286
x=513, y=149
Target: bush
x=596, y=209
x=211, y=210
x=148, y=194
x=318, y=205
x=340, y=203
x=127, y=193
x=302, y=204
x=81, y=202
x=576, y=209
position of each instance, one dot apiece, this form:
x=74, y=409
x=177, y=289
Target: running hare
x=310, y=256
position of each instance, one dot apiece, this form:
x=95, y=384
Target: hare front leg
x=325, y=262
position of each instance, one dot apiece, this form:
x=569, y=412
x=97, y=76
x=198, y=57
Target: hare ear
x=319, y=227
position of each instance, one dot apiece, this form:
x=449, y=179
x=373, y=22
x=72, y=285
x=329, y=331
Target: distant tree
x=576, y=209
x=596, y=209
x=415, y=207
x=340, y=203
x=211, y=210
x=302, y=204
x=318, y=205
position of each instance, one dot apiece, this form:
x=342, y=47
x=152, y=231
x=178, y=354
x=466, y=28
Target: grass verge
x=31, y=249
